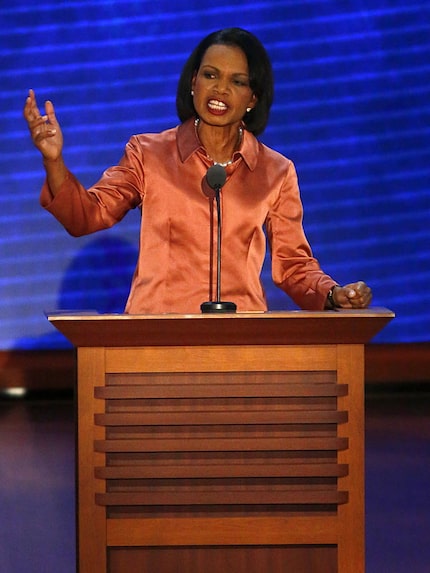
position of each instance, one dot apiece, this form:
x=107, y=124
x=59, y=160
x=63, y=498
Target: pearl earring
x=192, y=93
x=248, y=109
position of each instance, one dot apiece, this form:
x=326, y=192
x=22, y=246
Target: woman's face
x=221, y=86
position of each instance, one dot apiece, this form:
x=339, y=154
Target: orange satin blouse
x=162, y=174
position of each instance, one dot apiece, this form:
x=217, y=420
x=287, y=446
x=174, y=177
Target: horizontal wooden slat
x=220, y=470
x=223, y=497
x=153, y=391
x=220, y=359
x=250, y=530
x=215, y=405
x=289, y=457
x=228, y=445
x=216, y=377
x=228, y=417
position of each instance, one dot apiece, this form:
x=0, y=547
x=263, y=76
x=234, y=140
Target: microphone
x=216, y=177
x=214, y=180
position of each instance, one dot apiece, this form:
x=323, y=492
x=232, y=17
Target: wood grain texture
x=173, y=439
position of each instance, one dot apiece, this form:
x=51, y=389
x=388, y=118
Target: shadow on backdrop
x=98, y=279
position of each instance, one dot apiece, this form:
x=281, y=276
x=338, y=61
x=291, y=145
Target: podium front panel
x=220, y=455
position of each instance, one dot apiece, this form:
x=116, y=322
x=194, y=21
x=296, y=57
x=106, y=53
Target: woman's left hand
x=354, y=295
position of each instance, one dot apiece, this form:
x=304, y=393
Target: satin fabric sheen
x=163, y=175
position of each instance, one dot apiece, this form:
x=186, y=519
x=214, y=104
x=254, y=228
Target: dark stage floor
x=37, y=519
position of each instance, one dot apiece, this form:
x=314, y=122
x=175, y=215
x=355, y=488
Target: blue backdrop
x=351, y=110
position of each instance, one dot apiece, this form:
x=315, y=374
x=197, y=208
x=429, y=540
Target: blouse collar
x=189, y=143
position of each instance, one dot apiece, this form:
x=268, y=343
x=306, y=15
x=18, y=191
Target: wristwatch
x=330, y=297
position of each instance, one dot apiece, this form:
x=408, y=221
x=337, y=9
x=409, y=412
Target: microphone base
x=218, y=307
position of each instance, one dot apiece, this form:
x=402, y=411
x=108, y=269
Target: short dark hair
x=260, y=76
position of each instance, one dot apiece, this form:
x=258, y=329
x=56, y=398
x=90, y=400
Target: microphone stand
x=218, y=306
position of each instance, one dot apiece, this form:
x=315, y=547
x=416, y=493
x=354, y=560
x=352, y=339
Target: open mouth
x=217, y=106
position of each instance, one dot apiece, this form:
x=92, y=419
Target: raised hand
x=44, y=129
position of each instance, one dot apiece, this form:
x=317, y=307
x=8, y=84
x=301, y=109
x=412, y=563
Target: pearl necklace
x=229, y=162
x=239, y=141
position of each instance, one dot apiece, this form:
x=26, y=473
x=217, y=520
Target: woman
x=223, y=101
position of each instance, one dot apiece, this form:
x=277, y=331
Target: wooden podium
x=221, y=443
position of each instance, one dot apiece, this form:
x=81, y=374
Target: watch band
x=330, y=298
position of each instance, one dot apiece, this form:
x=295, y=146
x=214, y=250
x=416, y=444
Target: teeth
x=218, y=105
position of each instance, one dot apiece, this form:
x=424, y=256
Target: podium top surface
x=247, y=328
